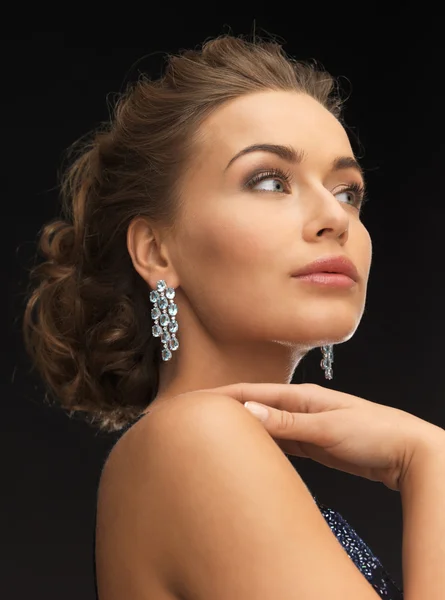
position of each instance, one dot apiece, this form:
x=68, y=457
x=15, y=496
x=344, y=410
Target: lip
x=339, y=265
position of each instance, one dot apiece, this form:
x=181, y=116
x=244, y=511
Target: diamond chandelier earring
x=164, y=314
x=327, y=361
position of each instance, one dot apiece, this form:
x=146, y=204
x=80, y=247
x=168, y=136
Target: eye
x=270, y=184
x=350, y=197
x=353, y=194
x=273, y=180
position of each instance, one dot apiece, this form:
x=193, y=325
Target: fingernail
x=258, y=410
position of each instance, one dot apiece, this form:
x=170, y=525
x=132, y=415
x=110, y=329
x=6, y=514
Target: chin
x=323, y=319
x=322, y=332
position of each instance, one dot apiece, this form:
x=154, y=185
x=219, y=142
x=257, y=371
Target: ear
x=148, y=249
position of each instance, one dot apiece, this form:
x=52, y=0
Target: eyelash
x=359, y=191
x=286, y=177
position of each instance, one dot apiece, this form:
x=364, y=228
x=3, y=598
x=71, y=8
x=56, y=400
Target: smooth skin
x=338, y=430
x=197, y=500
x=242, y=317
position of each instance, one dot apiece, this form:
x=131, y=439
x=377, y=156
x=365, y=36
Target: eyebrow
x=294, y=156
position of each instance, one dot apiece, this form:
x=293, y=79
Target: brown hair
x=87, y=323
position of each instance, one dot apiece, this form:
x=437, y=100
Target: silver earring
x=327, y=360
x=164, y=314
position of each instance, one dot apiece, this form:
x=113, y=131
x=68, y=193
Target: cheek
x=367, y=247
x=363, y=249
x=222, y=262
x=227, y=239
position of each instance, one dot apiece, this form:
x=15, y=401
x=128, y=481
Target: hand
x=339, y=430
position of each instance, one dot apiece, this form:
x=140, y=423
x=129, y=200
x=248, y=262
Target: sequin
x=362, y=556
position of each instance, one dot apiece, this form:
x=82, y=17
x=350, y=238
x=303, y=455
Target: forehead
x=274, y=117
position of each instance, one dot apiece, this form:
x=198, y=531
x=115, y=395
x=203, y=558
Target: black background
x=55, y=88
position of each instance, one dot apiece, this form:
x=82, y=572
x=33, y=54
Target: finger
x=303, y=398
x=285, y=425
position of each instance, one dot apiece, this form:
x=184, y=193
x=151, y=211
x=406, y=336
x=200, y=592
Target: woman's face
x=250, y=220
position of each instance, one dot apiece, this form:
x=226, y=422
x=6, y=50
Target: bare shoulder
x=219, y=511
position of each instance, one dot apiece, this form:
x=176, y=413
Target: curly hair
x=87, y=321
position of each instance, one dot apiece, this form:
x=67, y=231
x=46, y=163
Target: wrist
x=427, y=451
x=431, y=442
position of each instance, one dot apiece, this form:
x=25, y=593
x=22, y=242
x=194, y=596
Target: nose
x=326, y=218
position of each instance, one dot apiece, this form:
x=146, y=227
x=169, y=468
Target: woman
x=212, y=235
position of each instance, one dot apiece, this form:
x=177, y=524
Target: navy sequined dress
x=362, y=556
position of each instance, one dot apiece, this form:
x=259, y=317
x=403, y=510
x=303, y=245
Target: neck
x=204, y=364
